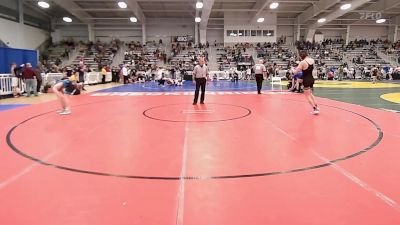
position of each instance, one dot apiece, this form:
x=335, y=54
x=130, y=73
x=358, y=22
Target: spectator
x=125, y=73
x=15, y=79
x=39, y=71
x=103, y=75
x=29, y=75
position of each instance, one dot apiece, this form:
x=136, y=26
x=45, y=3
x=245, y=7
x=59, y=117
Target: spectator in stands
x=29, y=75
x=15, y=79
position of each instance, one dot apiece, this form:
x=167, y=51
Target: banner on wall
x=319, y=38
x=183, y=39
x=19, y=56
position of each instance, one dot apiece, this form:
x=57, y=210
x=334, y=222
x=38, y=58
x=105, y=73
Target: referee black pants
x=200, y=83
x=259, y=80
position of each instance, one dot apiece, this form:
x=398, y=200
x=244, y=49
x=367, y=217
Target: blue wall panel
x=19, y=56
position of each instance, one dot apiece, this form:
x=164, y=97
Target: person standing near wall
x=29, y=75
x=340, y=73
x=81, y=70
x=15, y=80
x=125, y=73
x=260, y=72
x=103, y=75
x=39, y=71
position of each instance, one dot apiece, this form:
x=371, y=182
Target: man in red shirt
x=29, y=75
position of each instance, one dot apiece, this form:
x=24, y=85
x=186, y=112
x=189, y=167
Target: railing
x=48, y=79
x=6, y=85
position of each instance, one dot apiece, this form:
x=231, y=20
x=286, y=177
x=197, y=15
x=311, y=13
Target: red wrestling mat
x=158, y=160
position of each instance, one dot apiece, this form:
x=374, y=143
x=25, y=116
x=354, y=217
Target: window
x=235, y=33
x=259, y=33
x=247, y=33
x=271, y=33
x=253, y=33
x=241, y=33
x=265, y=33
x=228, y=32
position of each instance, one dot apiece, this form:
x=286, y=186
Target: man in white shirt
x=260, y=72
x=200, y=76
x=125, y=74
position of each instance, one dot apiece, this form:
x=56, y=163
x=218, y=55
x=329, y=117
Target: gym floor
x=142, y=154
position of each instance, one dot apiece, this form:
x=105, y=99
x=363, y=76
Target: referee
x=200, y=75
x=260, y=71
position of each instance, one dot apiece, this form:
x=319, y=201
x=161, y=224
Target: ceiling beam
x=97, y=9
x=380, y=7
x=314, y=10
x=164, y=10
x=205, y=13
x=36, y=9
x=69, y=5
x=338, y=13
x=234, y=10
x=137, y=10
x=259, y=8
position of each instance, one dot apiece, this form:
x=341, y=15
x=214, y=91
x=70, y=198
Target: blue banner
x=19, y=56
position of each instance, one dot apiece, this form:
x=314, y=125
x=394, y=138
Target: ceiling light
x=199, y=5
x=322, y=20
x=122, y=5
x=260, y=20
x=133, y=19
x=269, y=34
x=381, y=21
x=197, y=19
x=274, y=5
x=345, y=6
x=44, y=4
x=67, y=19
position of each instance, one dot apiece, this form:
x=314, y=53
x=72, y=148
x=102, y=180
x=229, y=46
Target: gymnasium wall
x=153, y=32
x=287, y=31
x=18, y=56
x=368, y=32
x=242, y=21
x=213, y=35
x=78, y=33
x=334, y=34
x=123, y=35
x=16, y=35
x=166, y=31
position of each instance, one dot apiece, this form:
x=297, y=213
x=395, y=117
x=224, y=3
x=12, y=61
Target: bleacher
x=144, y=56
x=187, y=57
x=233, y=57
x=95, y=55
x=280, y=55
x=367, y=52
x=57, y=53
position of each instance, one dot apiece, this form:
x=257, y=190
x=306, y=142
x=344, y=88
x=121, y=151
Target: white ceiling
x=304, y=12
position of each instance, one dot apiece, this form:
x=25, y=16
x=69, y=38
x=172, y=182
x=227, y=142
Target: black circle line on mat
x=194, y=121
x=238, y=176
